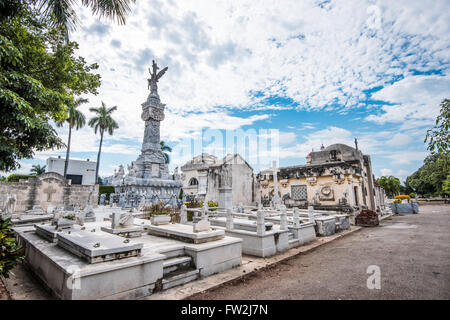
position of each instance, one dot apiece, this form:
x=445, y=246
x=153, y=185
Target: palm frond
x=116, y=10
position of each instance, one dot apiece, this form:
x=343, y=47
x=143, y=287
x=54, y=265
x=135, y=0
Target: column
x=229, y=224
x=260, y=225
x=283, y=218
x=311, y=213
x=295, y=218
x=183, y=214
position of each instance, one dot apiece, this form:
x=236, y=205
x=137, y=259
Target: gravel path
x=411, y=251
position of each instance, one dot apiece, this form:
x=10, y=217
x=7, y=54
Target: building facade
x=338, y=177
x=206, y=177
x=79, y=171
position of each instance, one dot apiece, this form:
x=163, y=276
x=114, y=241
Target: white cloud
x=386, y=172
x=399, y=139
x=415, y=98
x=219, y=53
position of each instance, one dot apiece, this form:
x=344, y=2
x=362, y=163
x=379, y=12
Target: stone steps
x=294, y=243
x=179, y=277
x=177, y=263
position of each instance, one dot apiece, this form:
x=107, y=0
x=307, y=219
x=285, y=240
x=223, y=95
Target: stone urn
x=161, y=219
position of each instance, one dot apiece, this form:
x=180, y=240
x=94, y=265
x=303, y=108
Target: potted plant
x=159, y=215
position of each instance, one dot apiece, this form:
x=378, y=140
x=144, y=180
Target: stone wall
x=47, y=189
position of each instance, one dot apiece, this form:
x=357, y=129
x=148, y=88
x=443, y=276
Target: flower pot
x=160, y=220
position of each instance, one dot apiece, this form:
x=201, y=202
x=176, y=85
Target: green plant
x=212, y=204
x=37, y=169
x=397, y=201
x=157, y=209
x=17, y=177
x=69, y=217
x=105, y=190
x=412, y=195
x=10, y=252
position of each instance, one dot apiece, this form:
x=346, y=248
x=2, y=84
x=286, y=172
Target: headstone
x=183, y=214
x=296, y=219
x=260, y=225
x=202, y=225
x=89, y=211
x=229, y=223
x=283, y=218
x=276, y=201
x=102, y=200
x=311, y=213
x=50, y=209
x=64, y=223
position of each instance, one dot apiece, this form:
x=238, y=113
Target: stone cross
x=296, y=220
x=230, y=223
x=260, y=225
x=276, y=198
x=283, y=218
x=183, y=214
x=49, y=191
x=311, y=213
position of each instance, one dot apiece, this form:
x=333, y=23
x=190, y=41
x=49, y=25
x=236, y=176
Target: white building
x=206, y=177
x=79, y=171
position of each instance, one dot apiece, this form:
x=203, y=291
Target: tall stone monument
x=149, y=175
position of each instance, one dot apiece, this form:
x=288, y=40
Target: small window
x=193, y=182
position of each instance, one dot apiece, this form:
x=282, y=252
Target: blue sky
x=319, y=72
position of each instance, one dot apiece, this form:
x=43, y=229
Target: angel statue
x=154, y=77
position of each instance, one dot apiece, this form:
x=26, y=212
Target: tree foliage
x=62, y=12
x=10, y=252
x=438, y=138
x=429, y=179
x=37, y=169
x=39, y=76
x=390, y=184
x=165, y=147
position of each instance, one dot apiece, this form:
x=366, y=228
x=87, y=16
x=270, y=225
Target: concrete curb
x=243, y=272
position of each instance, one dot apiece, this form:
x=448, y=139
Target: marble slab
x=185, y=233
x=98, y=246
x=127, y=232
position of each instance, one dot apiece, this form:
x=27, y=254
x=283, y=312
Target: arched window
x=193, y=182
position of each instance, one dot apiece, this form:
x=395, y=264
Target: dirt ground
x=411, y=251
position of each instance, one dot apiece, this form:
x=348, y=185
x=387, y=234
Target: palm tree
x=62, y=12
x=103, y=122
x=37, y=169
x=165, y=147
x=75, y=119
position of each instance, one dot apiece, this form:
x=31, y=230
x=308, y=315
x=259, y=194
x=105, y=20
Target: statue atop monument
x=154, y=77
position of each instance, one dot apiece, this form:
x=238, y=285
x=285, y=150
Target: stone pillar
x=260, y=225
x=311, y=213
x=295, y=218
x=115, y=217
x=183, y=214
x=283, y=218
x=230, y=224
x=205, y=208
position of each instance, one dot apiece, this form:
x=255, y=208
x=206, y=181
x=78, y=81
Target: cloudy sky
x=319, y=72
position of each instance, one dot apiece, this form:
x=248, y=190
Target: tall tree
x=102, y=122
x=438, y=138
x=390, y=184
x=75, y=119
x=39, y=76
x=165, y=147
x=428, y=180
x=37, y=169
